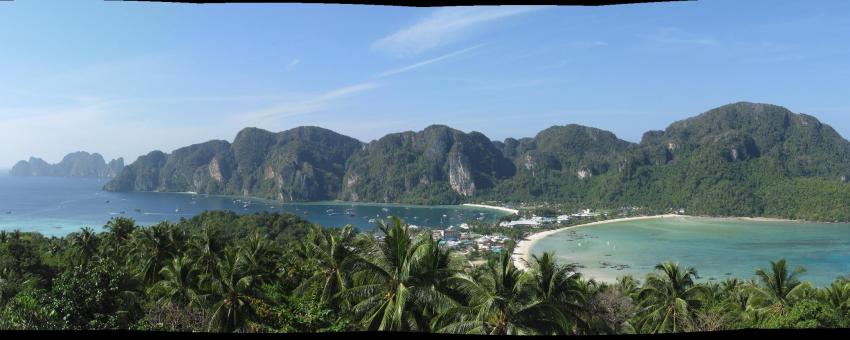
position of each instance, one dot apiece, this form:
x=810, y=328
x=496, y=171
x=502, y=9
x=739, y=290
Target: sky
x=123, y=79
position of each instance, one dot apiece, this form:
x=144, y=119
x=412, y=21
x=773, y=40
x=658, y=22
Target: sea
x=56, y=206
x=718, y=248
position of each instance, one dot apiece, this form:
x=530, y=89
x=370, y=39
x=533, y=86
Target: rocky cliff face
x=301, y=164
x=438, y=162
x=77, y=164
x=734, y=159
x=799, y=144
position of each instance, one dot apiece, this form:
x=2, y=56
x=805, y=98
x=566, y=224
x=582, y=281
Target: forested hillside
x=741, y=159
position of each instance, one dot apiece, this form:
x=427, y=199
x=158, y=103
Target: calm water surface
x=717, y=248
x=58, y=206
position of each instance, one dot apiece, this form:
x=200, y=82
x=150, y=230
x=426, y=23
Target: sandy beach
x=509, y=210
x=522, y=251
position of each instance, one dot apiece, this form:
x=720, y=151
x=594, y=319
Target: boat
x=138, y=210
x=371, y=220
x=385, y=209
x=177, y=210
x=122, y=212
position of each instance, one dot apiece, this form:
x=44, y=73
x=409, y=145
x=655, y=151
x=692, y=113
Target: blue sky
x=123, y=79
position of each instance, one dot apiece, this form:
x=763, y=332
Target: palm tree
x=499, y=301
x=837, y=295
x=84, y=244
x=336, y=257
x=629, y=286
x=151, y=248
x=233, y=295
x=778, y=286
x=559, y=296
x=669, y=299
x=395, y=289
x=179, y=283
x=207, y=250
x=118, y=232
x=260, y=257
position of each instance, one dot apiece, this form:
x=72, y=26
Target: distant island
x=76, y=164
x=741, y=159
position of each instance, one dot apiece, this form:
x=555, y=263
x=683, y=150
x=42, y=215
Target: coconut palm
x=233, y=294
x=84, y=244
x=629, y=286
x=838, y=295
x=118, y=232
x=336, y=258
x=206, y=250
x=259, y=257
x=669, y=299
x=179, y=283
x=152, y=247
x=778, y=286
x=499, y=301
x=394, y=288
x=558, y=294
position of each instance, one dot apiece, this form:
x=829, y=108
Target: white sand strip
x=512, y=211
x=522, y=251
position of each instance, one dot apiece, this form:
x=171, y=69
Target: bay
x=56, y=206
x=718, y=248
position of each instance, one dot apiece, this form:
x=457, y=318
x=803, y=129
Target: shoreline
x=484, y=206
x=522, y=251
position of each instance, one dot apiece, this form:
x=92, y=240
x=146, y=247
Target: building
x=437, y=234
x=451, y=234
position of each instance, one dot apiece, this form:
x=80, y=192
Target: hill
x=741, y=159
x=77, y=164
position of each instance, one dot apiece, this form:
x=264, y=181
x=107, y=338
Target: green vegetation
x=277, y=273
x=302, y=164
x=741, y=159
x=76, y=164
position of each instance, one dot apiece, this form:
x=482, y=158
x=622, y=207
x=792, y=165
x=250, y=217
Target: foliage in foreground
x=277, y=273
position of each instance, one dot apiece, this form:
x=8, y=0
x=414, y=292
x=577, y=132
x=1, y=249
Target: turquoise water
x=58, y=206
x=717, y=248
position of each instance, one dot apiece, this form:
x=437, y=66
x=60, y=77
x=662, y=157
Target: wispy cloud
x=676, y=36
x=292, y=64
x=443, y=27
x=426, y=62
x=52, y=132
x=304, y=106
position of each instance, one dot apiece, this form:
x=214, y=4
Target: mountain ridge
x=727, y=160
x=75, y=164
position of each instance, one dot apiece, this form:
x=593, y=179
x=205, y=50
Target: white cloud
x=292, y=64
x=304, y=106
x=53, y=132
x=426, y=62
x=443, y=27
x=676, y=36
